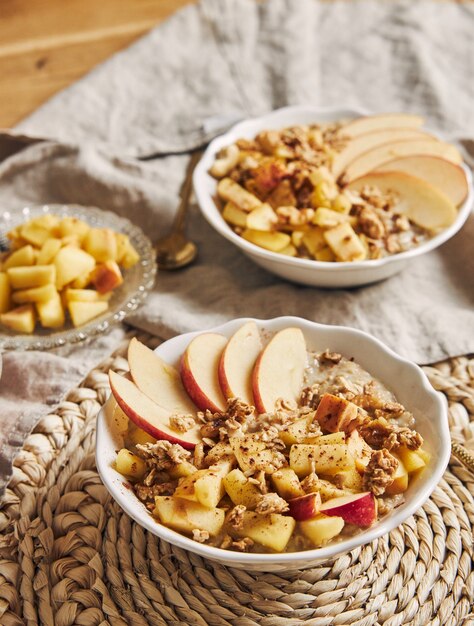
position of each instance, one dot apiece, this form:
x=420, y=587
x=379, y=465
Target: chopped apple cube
x=205, y=486
x=48, y=251
x=81, y=282
x=313, y=240
x=101, y=244
x=22, y=256
x=181, y=470
x=129, y=464
x=325, y=254
x=240, y=490
x=425, y=455
x=73, y=226
x=71, y=263
x=5, y=293
x=106, y=277
x=334, y=413
x=31, y=276
x=289, y=250
x=349, y=479
x=338, y=437
x=35, y=294
x=22, y=319
x=297, y=237
x=82, y=312
x=272, y=531
x=322, y=459
x=230, y=191
x=295, y=432
x=83, y=295
x=48, y=221
x=327, y=218
x=287, y=483
x=400, y=480
x=411, y=459
x=321, y=529
x=344, y=242
x=262, y=218
x=130, y=258
x=251, y=453
x=184, y=515
x=326, y=489
x=274, y=241
x=127, y=256
x=235, y=216
x=34, y=233
x=51, y=312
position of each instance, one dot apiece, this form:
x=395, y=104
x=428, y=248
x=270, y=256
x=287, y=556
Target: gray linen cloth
x=235, y=58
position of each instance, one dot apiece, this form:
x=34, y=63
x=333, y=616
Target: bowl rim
x=138, y=512
x=211, y=213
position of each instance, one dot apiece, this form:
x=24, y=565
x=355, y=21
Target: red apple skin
x=193, y=390
x=223, y=382
x=142, y=423
x=361, y=510
x=255, y=390
x=305, y=507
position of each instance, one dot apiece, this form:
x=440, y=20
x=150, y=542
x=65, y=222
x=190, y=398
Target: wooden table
x=45, y=45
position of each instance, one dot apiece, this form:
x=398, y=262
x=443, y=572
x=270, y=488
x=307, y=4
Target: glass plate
x=138, y=280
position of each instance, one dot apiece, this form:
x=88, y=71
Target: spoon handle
x=179, y=221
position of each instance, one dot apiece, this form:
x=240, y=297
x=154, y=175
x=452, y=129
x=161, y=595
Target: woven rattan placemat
x=69, y=555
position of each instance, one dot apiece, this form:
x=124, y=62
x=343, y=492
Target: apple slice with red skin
x=359, y=509
x=279, y=370
x=381, y=122
x=237, y=362
x=147, y=415
x=158, y=380
x=305, y=507
x=199, y=371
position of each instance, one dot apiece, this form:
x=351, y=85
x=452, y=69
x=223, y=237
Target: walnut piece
x=163, y=454
x=182, y=423
x=235, y=518
x=271, y=503
x=201, y=536
x=379, y=472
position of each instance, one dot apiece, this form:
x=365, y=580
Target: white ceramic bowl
x=406, y=380
x=306, y=271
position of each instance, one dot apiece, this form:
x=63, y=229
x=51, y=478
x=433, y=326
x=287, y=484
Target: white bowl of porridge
x=333, y=197
x=306, y=475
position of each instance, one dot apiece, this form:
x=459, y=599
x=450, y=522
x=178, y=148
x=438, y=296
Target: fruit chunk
x=51, y=312
x=419, y=201
x=252, y=453
x=240, y=490
x=279, y=370
x=181, y=470
x=237, y=362
x=101, y=244
x=205, y=486
x=313, y=240
x=372, y=159
x=305, y=507
x=411, y=459
x=106, y=277
x=34, y=233
x=158, y=380
x=71, y=263
x=82, y=312
x=129, y=464
x=235, y=216
x=83, y=295
x=274, y=241
x=400, y=480
x=325, y=459
x=358, y=145
x=382, y=122
x=31, y=276
x=48, y=251
x=345, y=244
x=287, y=483
x=349, y=479
x=359, y=509
x=296, y=432
x=148, y=415
x=22, y=256
x=445, y=175
x=5, y=293
x=262, y=218
x=21, y=319
x=199, y=371
x=327, y=218
x=326, y=489
x=35, y=294
x=73, y=226
x=334, y=413
x=272, y=531
x=321, y=529
x=184, y=515
x=338, y=437
x=229, y=190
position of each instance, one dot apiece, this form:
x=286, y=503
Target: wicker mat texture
x=69, y=555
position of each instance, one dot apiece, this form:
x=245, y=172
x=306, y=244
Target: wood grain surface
x=45, y=45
